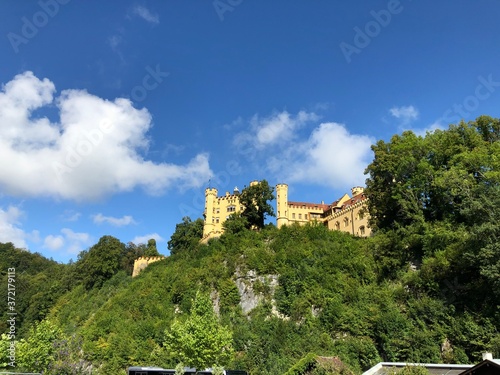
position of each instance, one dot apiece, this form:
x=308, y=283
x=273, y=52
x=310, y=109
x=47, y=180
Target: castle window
x=217, y=210
x=300, y=216
x=293, y=215
x=346, y=222
x=231, y=208
x=217, y=220
x=361, y=215
x=362, y=230
x=337, y=225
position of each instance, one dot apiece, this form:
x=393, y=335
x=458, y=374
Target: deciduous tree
x=200, y=341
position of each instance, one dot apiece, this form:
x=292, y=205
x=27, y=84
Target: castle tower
x=210, y=197
x=357, y=190
x=282, y=205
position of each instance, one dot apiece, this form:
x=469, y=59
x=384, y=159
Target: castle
x=347, y=214
x=142, y=262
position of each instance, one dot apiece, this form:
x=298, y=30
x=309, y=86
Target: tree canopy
x=187, y=234
x=256, y=200
x=200, y=341
x=435, y=200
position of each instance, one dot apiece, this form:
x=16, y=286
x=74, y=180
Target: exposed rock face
x=446, y=351
x=249, y=298
x=215, y=297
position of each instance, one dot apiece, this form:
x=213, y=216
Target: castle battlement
x=142, y=262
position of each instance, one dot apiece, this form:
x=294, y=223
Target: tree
x=200, y=341
x=236, y=223
x=186, y=236
x=101, y=262
x=255, y=199
x=434, y=199
x=151, y=250
x=36, y=353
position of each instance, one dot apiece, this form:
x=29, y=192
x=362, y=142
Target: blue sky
x=115, y=115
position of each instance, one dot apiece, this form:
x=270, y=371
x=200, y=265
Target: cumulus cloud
x=146, y=14
x=406, y=114
x=10, y=230
x=330, y=156
x=53, y=243
x=117, y=222
x=69, y=242
x=278, y=128
x=93, y=151
x=144, y=239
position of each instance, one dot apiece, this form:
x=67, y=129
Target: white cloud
x=53, y=243
x=94, y=151
x=406, y=114
x=114, y=41
x=70, y=242
x=117, y=222
x=278, y=128
x=146, y=14
x=9, y=227
x=70, y=215
x=144, y=239
x=330, y=156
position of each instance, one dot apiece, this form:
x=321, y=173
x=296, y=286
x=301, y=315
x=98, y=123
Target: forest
x=425, y=287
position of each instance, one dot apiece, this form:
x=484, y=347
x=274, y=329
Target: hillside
x=424, y=288
x=328, y=301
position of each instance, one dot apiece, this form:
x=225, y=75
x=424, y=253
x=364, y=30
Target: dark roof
x=487, y=367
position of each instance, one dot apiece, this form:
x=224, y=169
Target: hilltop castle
x=346, y=214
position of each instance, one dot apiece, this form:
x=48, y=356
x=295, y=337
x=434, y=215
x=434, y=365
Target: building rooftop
x=384, y=368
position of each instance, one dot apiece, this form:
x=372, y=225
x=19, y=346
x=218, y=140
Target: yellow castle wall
x=142, y=262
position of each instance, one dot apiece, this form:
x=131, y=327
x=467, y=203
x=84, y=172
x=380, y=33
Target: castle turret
x=357, y=190
x=210, y=197
x=282, y=205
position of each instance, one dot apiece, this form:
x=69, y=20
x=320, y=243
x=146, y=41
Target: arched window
x=337, y=225
x=362, y=230
x=346, y=222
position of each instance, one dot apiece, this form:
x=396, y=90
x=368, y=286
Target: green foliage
x=305, y=364
x=236, y=223
x=101, y=262
x=37, y=352
x=200, y=341
x=179, y=369
x=428, y=278
x=186, y=236
x=410, y=370
x=256, y=199
x=435, y=200
x=151, y=250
